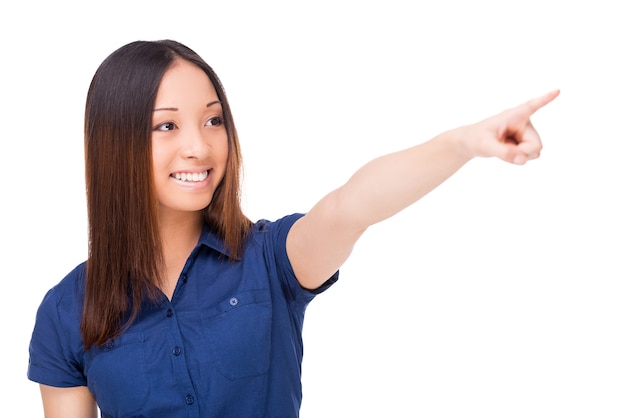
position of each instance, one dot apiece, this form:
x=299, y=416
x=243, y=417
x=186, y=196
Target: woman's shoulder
x=282, y=223
x=68, y=291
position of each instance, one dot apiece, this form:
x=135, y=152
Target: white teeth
x=191, y=176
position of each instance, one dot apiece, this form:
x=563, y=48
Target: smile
x=191, y=177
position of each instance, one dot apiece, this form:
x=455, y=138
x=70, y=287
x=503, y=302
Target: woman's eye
x=215, y=121
x=167, y=126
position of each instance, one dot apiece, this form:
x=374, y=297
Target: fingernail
x=518, y=160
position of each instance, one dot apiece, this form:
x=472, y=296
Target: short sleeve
x=55, y=344
x=278, y=240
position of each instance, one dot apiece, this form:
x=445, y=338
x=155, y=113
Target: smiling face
x=189, y=140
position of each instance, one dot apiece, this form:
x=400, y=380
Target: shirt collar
x=210, y=239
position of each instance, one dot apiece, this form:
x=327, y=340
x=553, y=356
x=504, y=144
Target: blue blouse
x=228, y=344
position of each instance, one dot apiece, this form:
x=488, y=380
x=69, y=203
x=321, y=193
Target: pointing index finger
x=537, y=103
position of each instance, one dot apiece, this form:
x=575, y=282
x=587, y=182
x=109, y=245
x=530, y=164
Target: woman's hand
x=508, y=135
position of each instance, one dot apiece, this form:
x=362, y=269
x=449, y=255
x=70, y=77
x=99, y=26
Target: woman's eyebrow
x=175, y=109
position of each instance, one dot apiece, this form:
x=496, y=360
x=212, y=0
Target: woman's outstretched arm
x=321, y=241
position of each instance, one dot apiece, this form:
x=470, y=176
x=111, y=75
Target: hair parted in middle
x=125, y=252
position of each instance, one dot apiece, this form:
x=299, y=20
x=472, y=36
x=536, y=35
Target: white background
x=500, y=294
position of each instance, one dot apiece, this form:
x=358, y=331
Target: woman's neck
x=179, y=236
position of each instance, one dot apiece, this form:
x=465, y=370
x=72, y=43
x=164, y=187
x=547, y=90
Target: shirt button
x=233, y=301
x=176, y=351
x=110, y=344
x=189, y=399
x=169, y=313
x=184, y=278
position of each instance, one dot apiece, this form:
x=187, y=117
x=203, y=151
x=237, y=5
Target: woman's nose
x=195, y=145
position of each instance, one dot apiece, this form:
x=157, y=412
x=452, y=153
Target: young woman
x=184, y=306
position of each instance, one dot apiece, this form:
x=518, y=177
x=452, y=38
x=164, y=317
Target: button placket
x=175, y=349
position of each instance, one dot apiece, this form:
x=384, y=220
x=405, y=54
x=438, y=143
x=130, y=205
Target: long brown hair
x=125, y=251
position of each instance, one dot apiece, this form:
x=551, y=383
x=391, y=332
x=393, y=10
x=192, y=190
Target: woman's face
x=189, y=141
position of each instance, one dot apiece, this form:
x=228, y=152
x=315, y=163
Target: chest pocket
x=116, y=375
x=238, y=333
